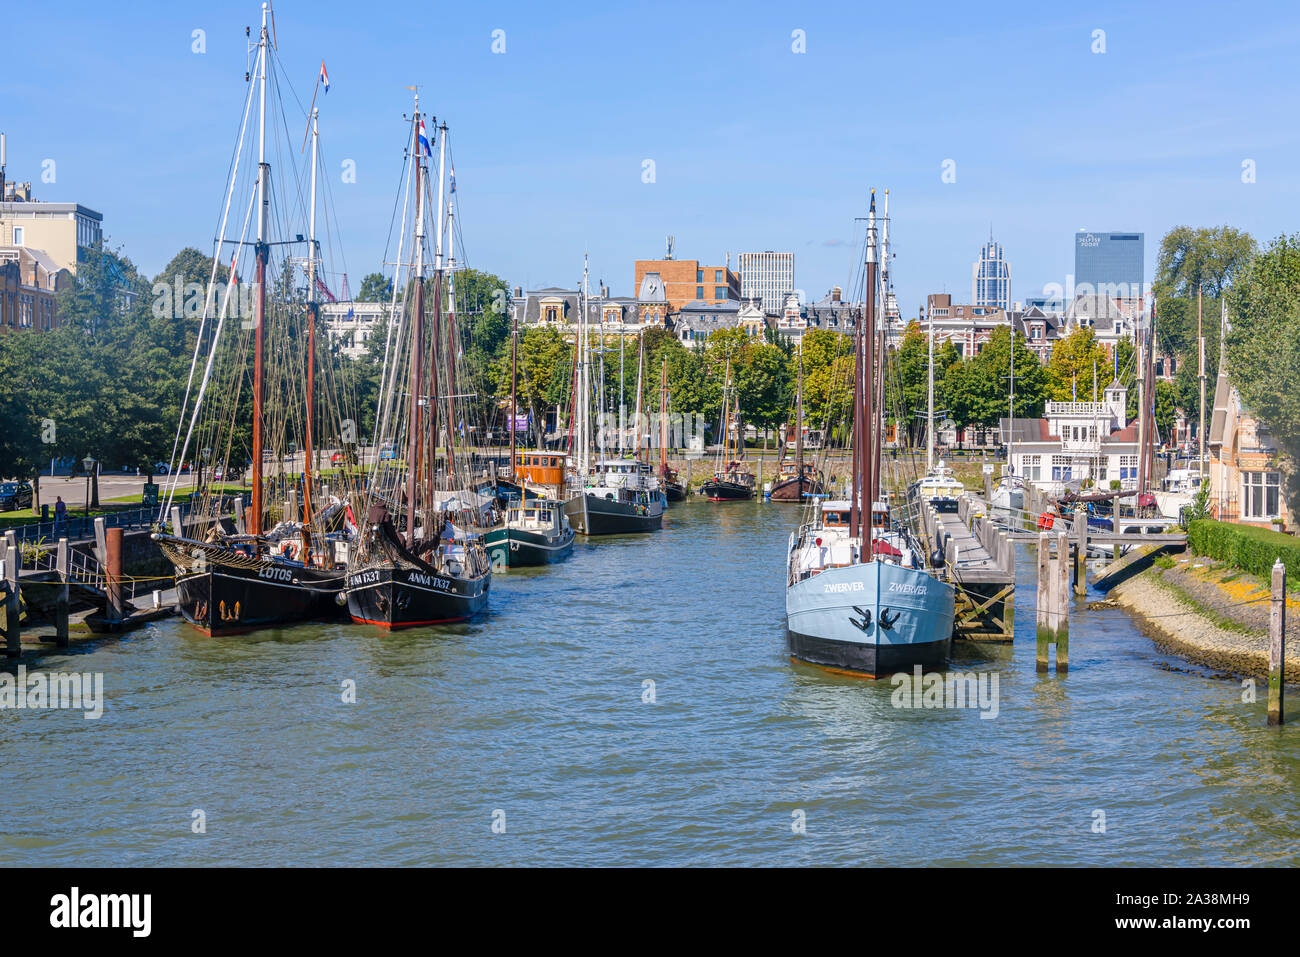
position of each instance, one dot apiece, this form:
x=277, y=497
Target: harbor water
x=636, y=706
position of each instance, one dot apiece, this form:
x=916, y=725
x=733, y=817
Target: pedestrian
x=60, y=512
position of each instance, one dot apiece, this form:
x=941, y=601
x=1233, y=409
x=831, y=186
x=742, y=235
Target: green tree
x=1263, y=345
x=375, y=287
x=1207, y=258
x=1073, y=363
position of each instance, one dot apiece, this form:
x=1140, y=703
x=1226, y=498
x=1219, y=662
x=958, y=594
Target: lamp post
x=89, y=464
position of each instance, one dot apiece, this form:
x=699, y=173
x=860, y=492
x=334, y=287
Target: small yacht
x=535, y=532
x=939, y=488
x=1177, y=491
x=1009, y=493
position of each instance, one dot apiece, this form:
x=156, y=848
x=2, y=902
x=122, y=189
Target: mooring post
x=113, y=563
x=62, y=602
x=176, y=522
x=1277, y=644
x=1062, y=603
x=1080, y=554
x=13, y=634
x=1044, y=605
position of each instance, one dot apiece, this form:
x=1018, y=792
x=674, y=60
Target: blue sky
x=755, y=147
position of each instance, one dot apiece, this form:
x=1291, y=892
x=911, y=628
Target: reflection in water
x=538, y=711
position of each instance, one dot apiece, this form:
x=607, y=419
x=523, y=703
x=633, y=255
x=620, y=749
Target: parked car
x=160, y=468
x=338, y=458
x=15, y=495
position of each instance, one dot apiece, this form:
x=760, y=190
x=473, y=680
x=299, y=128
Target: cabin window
x=544, y=517
x=530, y=513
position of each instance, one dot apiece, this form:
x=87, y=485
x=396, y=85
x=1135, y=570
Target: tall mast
x=514, y=388
x=259, y=331
x=438, y=377
x=1200, y=347
x=798, y=424
x=417, y=339
x=663, y=417
x=312, y=308
x=929, y=393
x=1011, y=401
x=640, y=369
x=869, y=476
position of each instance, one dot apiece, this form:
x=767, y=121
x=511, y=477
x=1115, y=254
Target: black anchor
x=865, y=623
x=886, y=621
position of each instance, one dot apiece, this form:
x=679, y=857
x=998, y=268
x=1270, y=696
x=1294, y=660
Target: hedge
x=1248, y=547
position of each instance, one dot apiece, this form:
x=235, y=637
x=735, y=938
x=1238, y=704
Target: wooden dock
x=979, y=558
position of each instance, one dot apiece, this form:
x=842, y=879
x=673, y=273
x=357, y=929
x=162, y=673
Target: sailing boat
x=674, y=490
x=616, y=495
x=436, y=571
x=858, y=599
x=938, y=487
x=235, y=581
x=535, y=530
x=793, y=484
x=731, y=481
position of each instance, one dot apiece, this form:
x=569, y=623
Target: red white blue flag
x=424, y=140
x=324, y=77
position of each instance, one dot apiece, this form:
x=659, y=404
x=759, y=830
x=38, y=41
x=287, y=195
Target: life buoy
x=1046, y=520
x=289, y=550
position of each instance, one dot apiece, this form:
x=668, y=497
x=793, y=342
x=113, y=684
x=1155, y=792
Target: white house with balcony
x=1076, y=442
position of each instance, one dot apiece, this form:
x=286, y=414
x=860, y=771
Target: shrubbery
x=1248, y=547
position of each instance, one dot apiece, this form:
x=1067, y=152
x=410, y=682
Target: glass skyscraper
x=1108, y=264
x=991, y=285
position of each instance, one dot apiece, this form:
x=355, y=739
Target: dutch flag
x=324, y=77
x=424, y=140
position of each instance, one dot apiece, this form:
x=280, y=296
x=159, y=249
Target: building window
x=717, y=275
x=719, y=292
x=18, y=235
x=699, y=292
x=1032, y=466
x=1261, y=494
x=699, y=275
x=1128, y=467
x=1062, y=468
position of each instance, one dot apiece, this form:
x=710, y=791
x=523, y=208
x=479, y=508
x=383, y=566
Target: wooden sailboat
x=612, y=495
x=535, y=531
x=732, y=481
x=250, y=576
x=794, y=483
x=674, y=490
x=413, y=564
x=858, y=597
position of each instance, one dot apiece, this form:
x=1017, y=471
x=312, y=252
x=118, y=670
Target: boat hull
x=871, y=619
x=716, y=491
x=674, y=491
x=795, y=489
x=596, y=515
x=1008, y=498
x=518, y=548
x=231, y=600
x=396, y=596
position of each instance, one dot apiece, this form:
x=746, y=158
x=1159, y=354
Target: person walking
x=60, y=514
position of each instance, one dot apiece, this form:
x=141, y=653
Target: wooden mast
x=312, y=309
x=514, y=384
x=663, y=419
x=417, y=339
x=640, y=368
x=259, y=331
x=798, y=433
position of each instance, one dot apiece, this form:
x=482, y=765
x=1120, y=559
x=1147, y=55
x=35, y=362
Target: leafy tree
x=1263, y=345
x=375, y=287
x=1071, y=368
x=1205, y=257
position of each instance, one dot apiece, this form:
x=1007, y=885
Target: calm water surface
x=537, y=711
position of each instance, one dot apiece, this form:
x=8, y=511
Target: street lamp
x=89, y=464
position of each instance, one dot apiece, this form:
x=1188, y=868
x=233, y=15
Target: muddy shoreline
x=1209, y=615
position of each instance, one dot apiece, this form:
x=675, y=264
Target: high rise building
x=767, y=276
x=1108, y=264
x=991, y=278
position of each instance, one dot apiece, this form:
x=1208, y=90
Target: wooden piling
x=1044, y=600
x=1277, y=644
x=177, y=530
x=1080, y=554
x=116, y=602
x=1063, y=603
x=12, y=629
x=62, y=600
x=1053, y=602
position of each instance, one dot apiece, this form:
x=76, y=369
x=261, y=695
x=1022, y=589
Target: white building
x=1075, y=442
x=353, y=323
x=767, y=276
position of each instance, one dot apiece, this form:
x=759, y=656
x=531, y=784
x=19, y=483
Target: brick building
x=689, y=280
